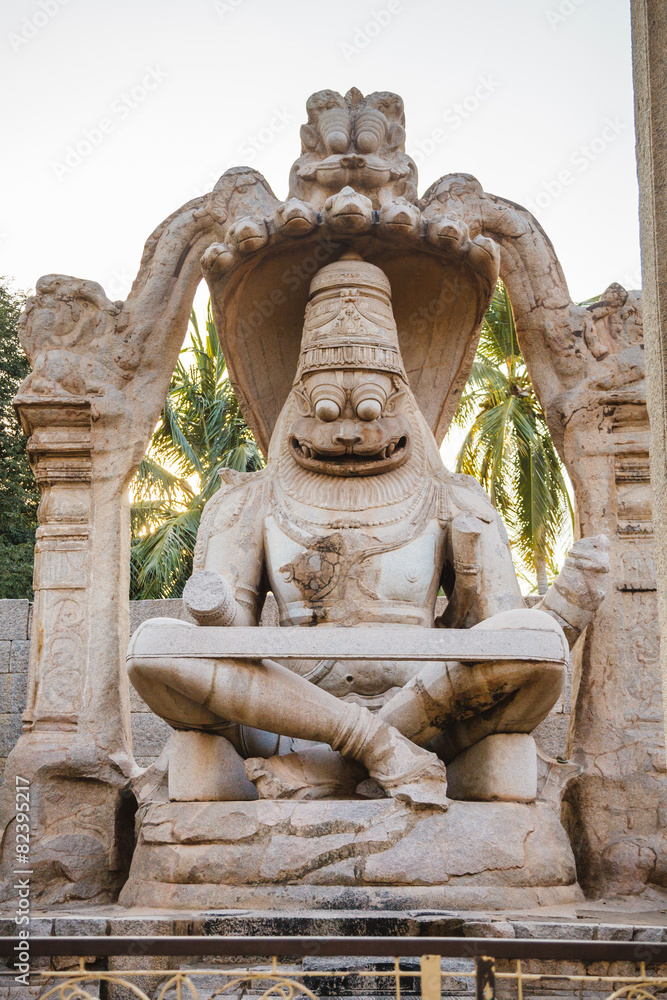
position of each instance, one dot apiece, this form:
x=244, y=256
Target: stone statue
x=355, y=522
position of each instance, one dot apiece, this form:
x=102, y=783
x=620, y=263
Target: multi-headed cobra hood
x=427, y=282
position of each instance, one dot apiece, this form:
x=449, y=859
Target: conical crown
x=349, y=322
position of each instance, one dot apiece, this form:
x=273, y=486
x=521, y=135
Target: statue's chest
x=352, y=569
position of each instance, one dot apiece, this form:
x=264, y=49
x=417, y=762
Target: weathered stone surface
x=149, y=734
x=501, y=767
x=649, y=35
x=100, y=372
x=587, y=366
x=19, y=656
x=560, y=931
x=315, y=853
x=5, y=680
x=204, y=767
x=551, y=734
x=537, y=644
x=488, y=928
x=141, y=611
x=351, y=450
x=18, y=692
x=14, y=619
x=10, y=730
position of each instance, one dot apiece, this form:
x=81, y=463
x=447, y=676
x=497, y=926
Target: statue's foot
x=318, y=773
x=405, y=771
x=423, y=788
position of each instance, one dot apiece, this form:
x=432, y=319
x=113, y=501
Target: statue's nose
x=348, y=434
x=353, y=162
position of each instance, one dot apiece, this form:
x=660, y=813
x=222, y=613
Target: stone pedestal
x=367, y=854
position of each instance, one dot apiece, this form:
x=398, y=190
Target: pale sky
x=159, y=97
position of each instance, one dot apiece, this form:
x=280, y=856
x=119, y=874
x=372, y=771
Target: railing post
x=431, y=978
x=485, y=978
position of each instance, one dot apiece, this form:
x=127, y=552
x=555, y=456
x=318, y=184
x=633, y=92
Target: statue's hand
x=590, y=555
x=580, y=587
x=209, y=598
x=581, y=579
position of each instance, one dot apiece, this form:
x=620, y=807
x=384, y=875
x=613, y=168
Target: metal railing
x=489, y=966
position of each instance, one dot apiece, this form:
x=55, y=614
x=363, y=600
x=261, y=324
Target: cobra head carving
x=353, y=141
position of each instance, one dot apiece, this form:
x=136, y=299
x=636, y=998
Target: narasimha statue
x=355, y=522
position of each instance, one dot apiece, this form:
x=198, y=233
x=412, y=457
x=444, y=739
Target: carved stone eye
x=327, y=410
x=369, y=409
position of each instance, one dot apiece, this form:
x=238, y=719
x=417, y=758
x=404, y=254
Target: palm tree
x=201, y=431
x=508, y=448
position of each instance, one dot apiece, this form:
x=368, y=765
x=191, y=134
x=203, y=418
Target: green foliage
x=19, y=495
x=201, y=431
x=508, y=448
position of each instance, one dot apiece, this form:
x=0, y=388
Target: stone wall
x=150, y=733
x=15, y=618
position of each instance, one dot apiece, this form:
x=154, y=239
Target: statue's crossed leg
x=454, y=703
x=450, y=706
x=203, y=694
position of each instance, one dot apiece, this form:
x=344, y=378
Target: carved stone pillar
x=588, y=367
x=77, y=773
x=60, y=454
x=649, y=43
x=100, y=374
x=616, y=808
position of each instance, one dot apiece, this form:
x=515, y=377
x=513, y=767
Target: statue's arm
x=228, y=584
x=478, y=575
x=580, y=587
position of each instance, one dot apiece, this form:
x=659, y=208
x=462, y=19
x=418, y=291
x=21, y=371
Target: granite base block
x=374, y=854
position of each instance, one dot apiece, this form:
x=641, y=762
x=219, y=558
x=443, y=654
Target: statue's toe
x=423, y=788
x=318, y=773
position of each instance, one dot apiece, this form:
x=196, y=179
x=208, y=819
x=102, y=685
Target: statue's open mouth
x=350, y=462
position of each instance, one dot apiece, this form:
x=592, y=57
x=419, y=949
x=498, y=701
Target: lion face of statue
x=351, y=424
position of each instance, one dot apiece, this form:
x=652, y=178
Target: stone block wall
x=149, y=733
x=15, y=617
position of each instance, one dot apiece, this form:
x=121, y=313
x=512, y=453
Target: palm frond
x=507, y=447
x=201, y=430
